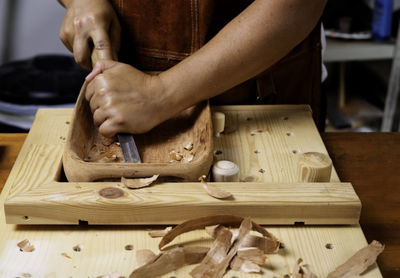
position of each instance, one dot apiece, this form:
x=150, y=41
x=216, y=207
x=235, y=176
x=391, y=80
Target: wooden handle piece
x=225, y=171
x=218, y=120
x=314, y=167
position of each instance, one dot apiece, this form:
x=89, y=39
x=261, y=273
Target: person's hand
x=87, y=24
x=125, y=100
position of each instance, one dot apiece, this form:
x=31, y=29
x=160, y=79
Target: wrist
x=178, y=91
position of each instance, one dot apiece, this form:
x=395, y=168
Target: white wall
x=36, y=28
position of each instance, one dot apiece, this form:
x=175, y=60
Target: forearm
x=253, y=41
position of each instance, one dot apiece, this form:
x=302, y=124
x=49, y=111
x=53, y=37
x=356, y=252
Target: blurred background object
x=363, y=83
x=36, y=70
x=33, y=61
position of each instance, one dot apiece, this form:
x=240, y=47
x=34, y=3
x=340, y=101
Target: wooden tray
x=262, y=140
x=191, y=126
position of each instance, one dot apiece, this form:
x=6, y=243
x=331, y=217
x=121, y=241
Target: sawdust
x=104, y=150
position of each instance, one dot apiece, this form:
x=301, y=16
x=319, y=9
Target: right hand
x=90, y=23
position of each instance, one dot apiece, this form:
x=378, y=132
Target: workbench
x=369, y=161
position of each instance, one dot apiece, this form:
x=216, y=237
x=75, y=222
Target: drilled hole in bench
x=129, y=247
x=329, y=246
x=77, y=248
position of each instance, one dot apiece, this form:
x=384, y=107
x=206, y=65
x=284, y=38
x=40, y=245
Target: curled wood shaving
x=218, y=270
x=25, y=246
x=240, y=264
x=202, y=222
x=175, y=156
x=359, y=262
x=170, y=260
x=145, y=256
x=189, y=147
x=215, y=255
x=252, y=254
x=268, y=244
x=214, y=191
x=213, y=230
x=160, y=233
x=301, y=271
x=189, y=158
x=138, y=183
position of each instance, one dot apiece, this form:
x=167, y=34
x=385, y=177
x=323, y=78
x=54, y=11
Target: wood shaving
x=104, y=150
x=138, y=183
x=114, y=274
x=213, y=230
x=239, y=264
x=160, y=233
x=301, y=271
x=175, y=156
x=204, y=269
x=359, y=262
x=267, y=244
x=66, y=255
x=215, y=255
x=170, y=260
x=26, y=246
x=202, y=222
x=189, y=147
x=214, y=191
x=219, y=270
x=189, y=158
x=252, y=254
x=145, y=256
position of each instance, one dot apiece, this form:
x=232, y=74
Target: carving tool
x=126, y=141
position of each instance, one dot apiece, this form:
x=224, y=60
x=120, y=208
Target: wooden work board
x=263, y=140
x=277, y=133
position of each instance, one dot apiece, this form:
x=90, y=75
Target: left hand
x=124, y=99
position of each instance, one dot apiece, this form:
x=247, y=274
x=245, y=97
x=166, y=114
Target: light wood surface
x=314, y=167
x=103, y=247
x=39, y=196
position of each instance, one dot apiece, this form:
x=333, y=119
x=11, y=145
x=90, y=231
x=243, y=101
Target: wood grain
x=38, y=196
x=103, y=247
x=166, y=203
x=371, y=162
x=192, y=125
x=265, y=143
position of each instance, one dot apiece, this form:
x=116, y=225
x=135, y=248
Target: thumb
x=100, y=67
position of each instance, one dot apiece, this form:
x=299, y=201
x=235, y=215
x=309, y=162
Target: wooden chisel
x=126, y=141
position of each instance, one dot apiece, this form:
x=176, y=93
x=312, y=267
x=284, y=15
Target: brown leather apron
x=157, y=34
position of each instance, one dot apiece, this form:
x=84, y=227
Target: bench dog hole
x=111, y=193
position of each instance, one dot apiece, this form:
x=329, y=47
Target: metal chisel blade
x=129, y=149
